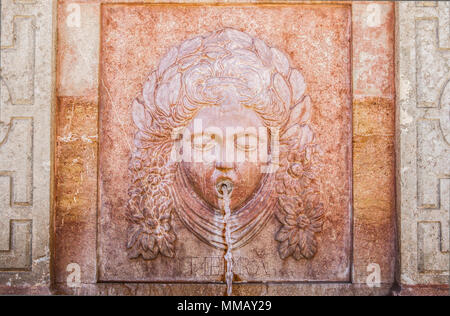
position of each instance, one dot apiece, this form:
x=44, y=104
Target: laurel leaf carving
x=307, y=136
x=292, y=134
x=301, y=113
x=280, y=62
x=174, y=89
x=282, y=89
x=190, y=46
x=133, y=233
x=282, y=234
x=238, y=39
x=149, y=90
x=163, y=98
x=167, y=248
x=298, y=85
x=141, y=117
x=168, y=60
x=263, y=51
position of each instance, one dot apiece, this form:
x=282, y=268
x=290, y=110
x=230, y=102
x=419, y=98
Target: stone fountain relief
x=217, y=181
x=224, y=171
x=232, y=85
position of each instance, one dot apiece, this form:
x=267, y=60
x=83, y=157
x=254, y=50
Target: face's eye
x=204, y=142
x=246, y=142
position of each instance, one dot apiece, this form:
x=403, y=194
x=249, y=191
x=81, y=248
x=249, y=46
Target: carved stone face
x=223, y=127
x=223, y=89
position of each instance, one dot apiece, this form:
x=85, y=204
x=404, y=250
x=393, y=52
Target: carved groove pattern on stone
x=425, y=127
x=18, y=54
x=18, y=254
x=433, y=150
x=25, y=103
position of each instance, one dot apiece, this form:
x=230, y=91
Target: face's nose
x=221, y=162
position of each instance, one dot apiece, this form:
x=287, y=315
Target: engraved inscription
x=214, y=266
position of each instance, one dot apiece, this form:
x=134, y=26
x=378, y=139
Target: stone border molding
x=26, y=79
x=423, y=153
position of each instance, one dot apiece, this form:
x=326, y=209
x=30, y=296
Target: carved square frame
x=76, y=158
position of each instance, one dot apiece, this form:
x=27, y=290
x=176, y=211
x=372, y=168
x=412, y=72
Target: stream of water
x=228, y=256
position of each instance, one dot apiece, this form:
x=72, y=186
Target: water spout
x=224, y=190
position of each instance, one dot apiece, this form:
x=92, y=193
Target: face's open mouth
x=224, y=185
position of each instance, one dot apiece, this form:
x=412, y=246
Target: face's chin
x=245, y=179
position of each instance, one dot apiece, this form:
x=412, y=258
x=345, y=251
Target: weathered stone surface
x=422, y=124
x=272, y=289
x=423, y=183
x=76, y=185
x=123, y=63
x=25, y=145
x=423, y=290
x=373, y=141
x=78, y=49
